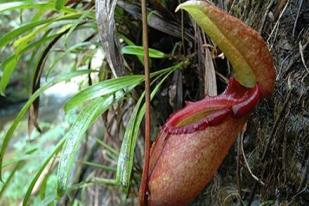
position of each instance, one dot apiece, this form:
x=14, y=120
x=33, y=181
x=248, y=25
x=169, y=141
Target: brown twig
x=301, y=52
x=276, y=26
x=296, y=20
x=34, y=109
x=246, y=161
x=238, y=168
x=284, y=156
x=144, y=182
x=294, y=59
x=265, y=15
x=89, y=75
x=278, y=9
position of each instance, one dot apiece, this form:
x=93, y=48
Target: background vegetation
x=72, y=101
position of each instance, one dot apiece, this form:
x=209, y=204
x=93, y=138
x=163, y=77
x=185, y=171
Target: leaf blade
x=8, y=6
x=103, y=88
x=59, y=4
x=41, y=169
x=9, y=36
x=74, y=137
x=8, y=135
x=126, y=154
x=9, y=66
x=139, y=51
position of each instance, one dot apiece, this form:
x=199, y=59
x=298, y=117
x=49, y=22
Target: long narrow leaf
x=8, y=135
x=74, y=137
x=109, y=86
x=41, y=169
x=59, y=4
x=123, y=174
x=78, y=22
x=103, y=88
x=9, y=64
x=126, y=155
x=10, y=178
x=139, y=51
x=131, y=43
x=31, y=5
x=66, y=52
x=5, y=39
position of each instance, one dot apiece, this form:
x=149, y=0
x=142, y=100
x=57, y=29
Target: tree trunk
x=269, y=163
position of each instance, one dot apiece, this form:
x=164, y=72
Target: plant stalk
x=144, y=185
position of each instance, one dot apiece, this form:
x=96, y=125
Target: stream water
x=51, y=103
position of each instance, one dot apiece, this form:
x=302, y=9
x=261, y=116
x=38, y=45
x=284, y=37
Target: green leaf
x=5, y=185
x=22, y=46
x=66, y=52
x=110, y=86
x=24, y=41
x=8, y=135
x=9, y=66
x=35, y=44
x=59, y=4
x=126, y=154
x=103, y=88
x=139, y=51
x=30, y=5
x=22, y=5
x=99, y=166
x=125, y=160
x=74, y=136
x=131, y=43
x=6, y=38
x=41, y=169
x=78, y=22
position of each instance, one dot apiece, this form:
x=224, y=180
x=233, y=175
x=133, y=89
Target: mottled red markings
x=236, y=100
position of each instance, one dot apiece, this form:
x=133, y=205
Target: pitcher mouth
x=236, y=101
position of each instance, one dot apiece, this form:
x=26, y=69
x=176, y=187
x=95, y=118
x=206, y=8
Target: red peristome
x=249, y=102
x=217, y=117
x=211, y=120
x=236, y=99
